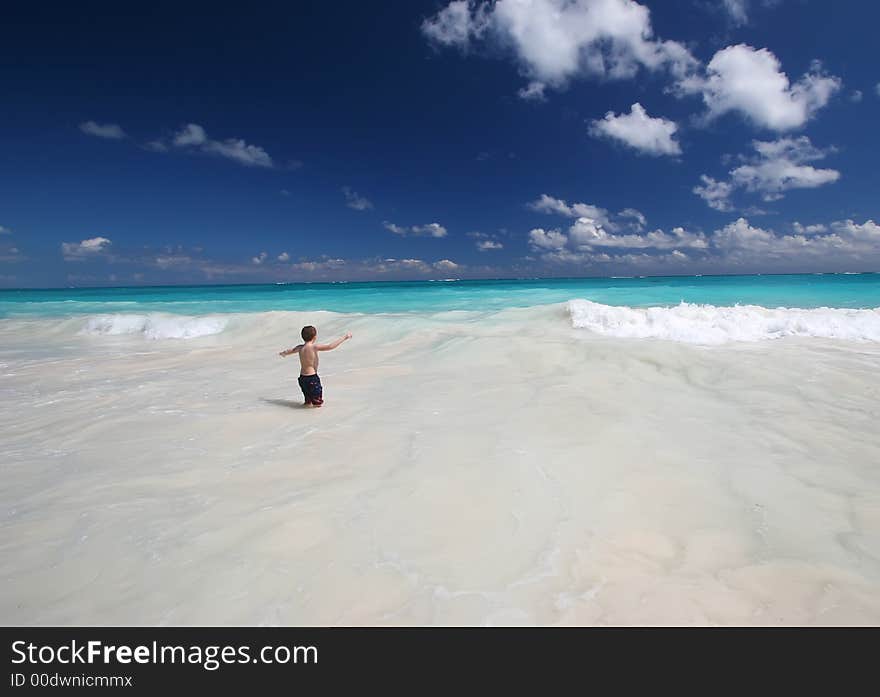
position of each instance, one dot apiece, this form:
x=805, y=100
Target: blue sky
x=324, y=141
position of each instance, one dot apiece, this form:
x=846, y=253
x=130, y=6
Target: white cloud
x=78, y=251
x=739, y=245
x=549, y=204
x=5, y=230
x=110, y=131
x=741, y=242
x=427, y=230
x=534, y=91
x=284, y=256
x=856, y=96
x=557, y=40
x=654, y=136
x=409, y=266
x=356, y=201
x=585, y=233
x=750, y=81
x=260, y=258
x=488, y=245
x=193, y=137
x=716, y=194
x=239, y=151
x=638, y=218
x=778, y=166
x=547, y=239
x=191, y=134
x=808, y=229
x=737, y=10
x=456, y=24
x=628, y=218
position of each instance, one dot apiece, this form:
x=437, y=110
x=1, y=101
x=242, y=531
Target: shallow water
x=791, y=290
x=491, y=467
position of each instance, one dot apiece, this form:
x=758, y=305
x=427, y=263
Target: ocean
x=681, y=450
x=796, y=291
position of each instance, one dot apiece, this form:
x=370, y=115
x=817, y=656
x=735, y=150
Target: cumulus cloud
x=716, y=194
x=628, y=218
x=539, y=238
x=484, y=242
x=585, y=233
x=608, y=239
x=111, y=131
x=637, y=217
x=427, y=230
x=751, y=82
x=557, y=40
x=192, y=137
x=90, y=248
x=739, y=245
x=457, y=23
x=549, y=204
x=284, y=257
x=411, y=266
x=780, y=166
x=643, y=133
x=743, y=243
x=808, y=229
x=446, y=265
x=856, y=96
x=5, y=230
x=260, y=258
x=356, y=201
x=777, y=166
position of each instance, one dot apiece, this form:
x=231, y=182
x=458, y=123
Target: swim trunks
x=311, y=388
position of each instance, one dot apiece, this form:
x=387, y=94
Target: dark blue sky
x=368, y=140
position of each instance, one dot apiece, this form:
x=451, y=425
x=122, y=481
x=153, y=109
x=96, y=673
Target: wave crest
x=711, y=325
x=155, y=326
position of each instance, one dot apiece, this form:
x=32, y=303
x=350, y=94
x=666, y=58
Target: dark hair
x=308, y=333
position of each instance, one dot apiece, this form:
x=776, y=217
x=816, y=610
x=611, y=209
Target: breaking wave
x=155, y=326
x=708, y=324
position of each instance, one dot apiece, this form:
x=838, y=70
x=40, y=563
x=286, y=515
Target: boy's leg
x=304, y=387
x=316, y=394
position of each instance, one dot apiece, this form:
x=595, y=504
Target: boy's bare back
x=309, y=381
x=308, y=358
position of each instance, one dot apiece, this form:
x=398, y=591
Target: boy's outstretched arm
x=295, y=349
x=334, y=344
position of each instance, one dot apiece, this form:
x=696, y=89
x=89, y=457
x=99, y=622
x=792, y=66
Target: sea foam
x=708, y=324
x=155, y=326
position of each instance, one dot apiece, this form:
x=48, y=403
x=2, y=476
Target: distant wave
x=155, y=326
x=708, y=324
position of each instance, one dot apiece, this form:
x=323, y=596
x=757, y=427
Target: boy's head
x=308, y=333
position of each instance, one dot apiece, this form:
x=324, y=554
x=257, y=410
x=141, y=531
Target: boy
x=309, y=382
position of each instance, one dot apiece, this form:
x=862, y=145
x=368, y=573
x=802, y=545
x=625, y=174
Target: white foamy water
x=708, y=324
x=156, y=325
x=468, y=468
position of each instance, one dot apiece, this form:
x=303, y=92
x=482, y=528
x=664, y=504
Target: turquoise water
x=801, y=291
